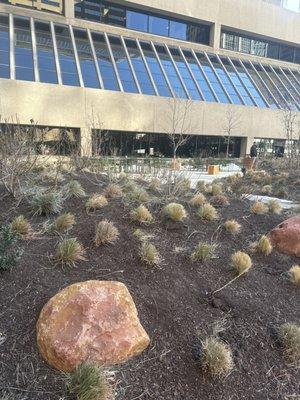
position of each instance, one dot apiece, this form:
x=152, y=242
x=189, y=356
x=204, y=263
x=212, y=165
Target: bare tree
x=231, y=124
x=291, y=125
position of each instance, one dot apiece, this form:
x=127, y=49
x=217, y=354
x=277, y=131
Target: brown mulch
x=174, y=303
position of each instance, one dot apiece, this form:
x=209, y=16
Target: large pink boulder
x=91, y=321
x=286, y=236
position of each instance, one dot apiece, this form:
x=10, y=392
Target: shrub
x=69, y=251
x=64, y=222
x=274, y=207
x=87, y=382
x=294, y=273
x=96, y=202
x=267, y=189
x=113, y=191
x=198, y=200
x=154, y=184
x=208, y=212
x=289, y=335
x=106, y=233
x=46, y=203
x=73, y=189
x=234, y=179
x=259, y=208
x=241, y=262
x=263, y=246
x=216, y=357
x=9, y=254
x=149, y=254
x=232, y=226
x=142, y=215
x=219, y=200
x=204, y=252
x=21, y=226
x=175, y=212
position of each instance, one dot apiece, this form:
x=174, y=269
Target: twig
x=230, y=282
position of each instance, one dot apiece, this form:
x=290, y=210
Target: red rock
x=286, y=236
x=93, y=321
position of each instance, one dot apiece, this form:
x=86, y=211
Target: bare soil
x=173, y=299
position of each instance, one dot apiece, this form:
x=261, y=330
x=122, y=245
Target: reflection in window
x=212, y=79
x=23, y=50
x=45, y=53
x=185, y=74
x=137, y=21
x=139, y=67
x=86, y=60
x=288, y=85
x=122, y=65
x=171, y=72
x=158, y=26
x=156, y=72
x=178, y=30
x=104, y=62
x=198, y=75
x=4, y=47
x=273, y=89
x=66, y=56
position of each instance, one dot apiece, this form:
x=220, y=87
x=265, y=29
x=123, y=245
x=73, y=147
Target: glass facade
x=115, y=14
x=61, y=54
x=263, y=48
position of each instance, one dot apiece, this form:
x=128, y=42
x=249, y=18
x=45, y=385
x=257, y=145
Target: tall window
x=66, y=57
x=23, y=50
x=45, y=53
x=4, y=47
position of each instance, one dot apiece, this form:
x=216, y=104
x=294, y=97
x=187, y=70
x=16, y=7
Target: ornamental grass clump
x=294, y=274
x=46, y=203
x=263, y=246
x=289, y=335
x=142, y=215
x=88, y=382
x=139, y=195
x=241, y=262
x=106, y=233
x=232, y=226
x=73, y=189
x=10, y=253
x=198, y=200
x=176, y=212
x=69, y=251
x=274, y=207
x=64, y=222
x=21, y=226
x=154, y=184
x=149, y=254
x=96, y=202
x=113, y=191
x=208, y=212
x=267, y=189
x=216, y=189
x=204, y=252
x=220, y=200
x=200, y=186
x=216, y=357
x=259, y=208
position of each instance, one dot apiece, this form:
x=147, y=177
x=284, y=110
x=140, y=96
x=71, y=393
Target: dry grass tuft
x=208, y=212
x=204, y=252
x=96, y=202
x=216, y=357
x=138, y=194
x=289, y=335
x=267, y=189
x=46, y=203
x=113, y=191
x=200, y=186
x=294, y=273
x=69, y=251
x=241, y=262
x=73, y=189
x=21, y=226
x=259, y=208
x=64, y=222
x=198, y=200
x=142, y=215
x=234, y=179
x=263, y=246
x=106, y=233
x=149, y=254
x=182, y=185
x=216, y=189
x=154, y=184
x=175, y=212
x=232, y=226
x=220, y=200
x=274, y=207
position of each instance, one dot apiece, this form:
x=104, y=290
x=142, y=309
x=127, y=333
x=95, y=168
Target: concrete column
x=246, y=144
x=215, y=36
x=85, y=142
x=69, y=8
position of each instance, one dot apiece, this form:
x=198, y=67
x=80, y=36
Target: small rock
x=286, y=236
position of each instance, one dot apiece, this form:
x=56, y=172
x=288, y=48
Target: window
x=137, y=21
x=245, y=45
x=104, y=62
x=286, y=53
x=288, y=85
x=178, y=30
x=4, y=47
x=66, y=57
x=23, y=50
x=198, y=33
x=159, y=26
x=112, y=14
x=271, y=86
x=45, y=53
x=230, y=41
x=86, y=60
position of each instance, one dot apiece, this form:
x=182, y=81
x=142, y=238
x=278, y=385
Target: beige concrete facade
x=74, y=107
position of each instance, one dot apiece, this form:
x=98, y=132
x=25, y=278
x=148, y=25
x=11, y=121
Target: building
x=107, y=71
